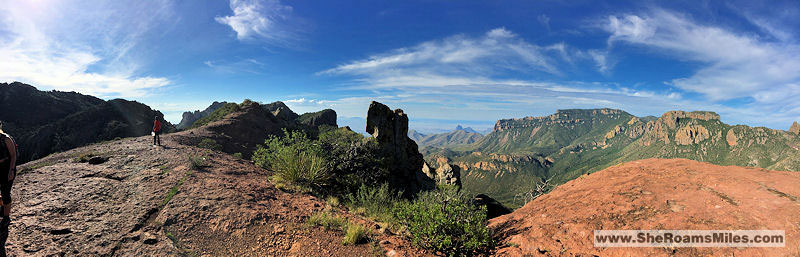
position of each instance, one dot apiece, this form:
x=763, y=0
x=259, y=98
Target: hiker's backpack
x=4, y=149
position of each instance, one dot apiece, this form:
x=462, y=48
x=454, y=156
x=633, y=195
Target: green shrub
x=326, y=220
x=376, y=201
x=354, y=160
x=209, y=143
x=196, y=162
x=238, y=155
x=446, y=221
x=294, y=158
x=355, y=234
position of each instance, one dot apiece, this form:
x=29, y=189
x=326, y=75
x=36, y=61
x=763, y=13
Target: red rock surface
x=227, y=207
x=656, y=194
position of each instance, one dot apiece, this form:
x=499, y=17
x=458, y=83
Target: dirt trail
x=656, y=194
x=123, y=207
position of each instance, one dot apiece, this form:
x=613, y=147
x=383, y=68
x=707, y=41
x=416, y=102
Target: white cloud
x=263, y=20
x=496, y=51
x=736, y=65
x=477, y=78
x=88, y=53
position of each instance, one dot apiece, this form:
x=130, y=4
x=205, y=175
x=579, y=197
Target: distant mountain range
x=459, y=136
x=45, y=122
x=563, y=146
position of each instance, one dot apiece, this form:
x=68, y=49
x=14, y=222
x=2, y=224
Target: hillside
x=459, y=136
x=177, y=200
x=45, y=122
x=563, y=146
x=655, y=194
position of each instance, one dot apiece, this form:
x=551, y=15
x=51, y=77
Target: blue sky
x=443, y=62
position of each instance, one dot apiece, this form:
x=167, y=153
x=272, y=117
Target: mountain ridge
x=45, y=122
x=522, y=152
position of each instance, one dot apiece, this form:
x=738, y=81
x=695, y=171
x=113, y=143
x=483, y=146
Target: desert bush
x=446, y=221
x=209, y=143
x=295, y=159
x=354, y=160
x=196, y=162
x=377, y=202
x=355, y=234
x=238, y=155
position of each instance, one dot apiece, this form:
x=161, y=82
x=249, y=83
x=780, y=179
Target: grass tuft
x=326, y=220
x=355, y=234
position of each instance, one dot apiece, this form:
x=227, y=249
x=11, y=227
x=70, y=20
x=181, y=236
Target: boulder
x=390, y=130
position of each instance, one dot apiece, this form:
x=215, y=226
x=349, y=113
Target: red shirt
x=156, y=126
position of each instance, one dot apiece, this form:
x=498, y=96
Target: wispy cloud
x=735, y=65
x=81, y=53
x=497, y=75
x=248, y=65
x=498, y=50
x=260, y=20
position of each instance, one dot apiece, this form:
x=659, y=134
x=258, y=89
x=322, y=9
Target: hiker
x=156, y=132
x=8, y=170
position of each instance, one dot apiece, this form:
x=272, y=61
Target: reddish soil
x=227, y=207
x=656, y=194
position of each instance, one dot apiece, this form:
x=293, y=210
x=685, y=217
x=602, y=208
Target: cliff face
x=44, y=122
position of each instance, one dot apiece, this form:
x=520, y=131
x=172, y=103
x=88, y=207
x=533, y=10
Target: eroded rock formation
x=442, y=172
x=795, y=128
x=390, y=129
x=691, y=134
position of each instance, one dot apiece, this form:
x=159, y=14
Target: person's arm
x=12, y=151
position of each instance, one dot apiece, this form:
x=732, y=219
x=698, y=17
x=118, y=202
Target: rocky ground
x=656, y=194
x=174, y=200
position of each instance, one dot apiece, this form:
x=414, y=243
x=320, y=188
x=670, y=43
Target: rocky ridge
x=45, y=122
x=188, y=118
x=567, y=144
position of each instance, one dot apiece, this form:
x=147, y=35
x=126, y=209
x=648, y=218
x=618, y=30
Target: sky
x=443, y=62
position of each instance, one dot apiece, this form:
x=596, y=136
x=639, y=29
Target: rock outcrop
x=190, y=117
x=316, y=119
x=691, y=134
x=390, y=129
x=795, y=128
x=443, y=172
x=731, y=138
x=280, y=110
x=239, y=132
